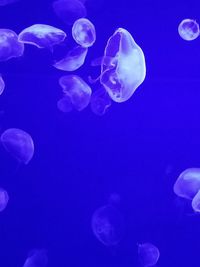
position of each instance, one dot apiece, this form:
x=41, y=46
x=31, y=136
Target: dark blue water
x=137, y=149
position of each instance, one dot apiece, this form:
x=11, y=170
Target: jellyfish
x=69, y=10
x=196, y=202
x=83, y=32
x=74, y=59
x=36, y=258
x=188, y=29
x=10, y=47
x=42, y=36
x=148, y=254
x=100, y=102
x=108, y=225
x=123, y=66
x=19, y=144
x=188, y=183
x=77, y=89
x=64, y=104
x=2, y=85
x=4, y=198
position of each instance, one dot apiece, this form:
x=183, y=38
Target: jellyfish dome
x=188, y=29
x=148, y=254
x=36, y=258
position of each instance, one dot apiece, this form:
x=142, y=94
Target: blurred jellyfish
x=74, y=59
x=10, y=47
x=188, y=29
x=83, y=32
x=100, y=102
x=188, y=183
x=7, y=2
x=148, y=254
x=69, y=10
x=123, y=66
x=2, y=85
x=77, y=89
x=36, y=258
x=42, y=36
x=19, y=144
x=196, y=202
x=64, y=104
x=4, y=198
x=108, y=225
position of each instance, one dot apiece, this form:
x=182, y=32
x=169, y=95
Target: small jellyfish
x=19, y=144
x=64, y=104
x=69, y=10
x=77, y=89
x=196, y=202
x=42, y=36
x=83, y=32
x=4, y=198
x=36, y=258
x=74, y=59
x=188, y=183
x=123, y=66
x=108, y=225
x=188, y=29
x=100, y=102
x=2, y=85
x=10, y=47
x=148, y=254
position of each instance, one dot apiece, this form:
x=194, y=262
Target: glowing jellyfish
x=2, y=85
x=148, y=254
x=77, y=89
x=100, y=102
x=10, y=47
x=64, y=104
x=4, y=198
x=123, y=66
x=188, y=183
x=42, y=36
x=69, y=10
x=188, y=29
x=83, y=32
x=36, y=258
x=74, y=59
x=108, y=225
x=196, y=202
x=19, y=144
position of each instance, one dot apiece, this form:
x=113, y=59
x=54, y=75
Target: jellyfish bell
x=36, y=258
x=188, y=29
x=148, y=254
x=4, y=198
x=64, y=104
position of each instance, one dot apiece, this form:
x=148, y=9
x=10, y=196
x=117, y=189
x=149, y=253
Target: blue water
x=137, y=149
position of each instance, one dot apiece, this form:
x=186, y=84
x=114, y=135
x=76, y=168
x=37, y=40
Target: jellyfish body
x=148, y=254
x=10, y=47
x=2, y=85
x=69, y=10
x=100, y=102
x=19, y=144
x=74, y=59
x=83, y=32
x=4, y=198
x=64, y=104
x=188, y=29
x=188, y=183
x=36, y=258
x=77, y=90
x=196, y=202
x=108, y=225
x=42, y=36
x=126, y=69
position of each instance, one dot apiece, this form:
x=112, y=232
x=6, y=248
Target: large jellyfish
x=19, y=144
x=188, y=183
x=2, y=85
x=108, y=225
x=188, y=29
x=123, y=66
x=83, y=32
x=36, y=258
x=64, y=104
x=100, y=101
x=74, y=59
x=42, y=36
x=148, y=254
x=10, y=47
x=69, y=10
x=4, y=198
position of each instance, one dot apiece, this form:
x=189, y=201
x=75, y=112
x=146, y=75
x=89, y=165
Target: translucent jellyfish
x=69, y=10
x=196, y=202
x=188, y=29
x=2, y=85
x=100, y=102
x=19, y=144
x=10, y=47
x=77, y=90
x=74, y=59
x=108, y=225
x=42, y=36
x=36, y=258
x=148, y=254
x=83, y=32
x=4, y=198
x=188, y=183
x=123, y=66
x=64, y=104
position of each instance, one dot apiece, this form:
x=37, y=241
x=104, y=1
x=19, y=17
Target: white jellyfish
x=83, y=32
x=196, y=202
x=4, y=198
x=100, y=102
x=188, y=29
x=148, y=254
x=36, y=258
x=2, y=85
x=64, y=104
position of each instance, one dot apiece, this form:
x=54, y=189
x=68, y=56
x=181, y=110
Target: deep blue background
x=137, y=149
